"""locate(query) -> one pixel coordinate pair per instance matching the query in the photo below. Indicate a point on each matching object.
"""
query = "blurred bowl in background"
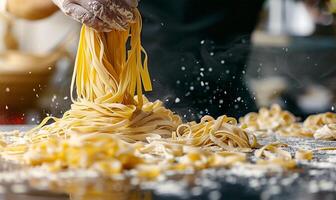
(23, 76)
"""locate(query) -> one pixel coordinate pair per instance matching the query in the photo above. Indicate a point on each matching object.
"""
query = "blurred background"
(293, 58)
(292, 62)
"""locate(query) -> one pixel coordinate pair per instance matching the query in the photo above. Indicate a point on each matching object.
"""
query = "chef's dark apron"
(197, 54)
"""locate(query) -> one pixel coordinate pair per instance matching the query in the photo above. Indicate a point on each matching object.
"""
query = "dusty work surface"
(315, 179)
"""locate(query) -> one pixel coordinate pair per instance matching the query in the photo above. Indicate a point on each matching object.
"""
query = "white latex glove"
(102, 15)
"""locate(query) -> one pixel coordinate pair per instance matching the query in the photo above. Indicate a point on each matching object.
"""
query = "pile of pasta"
(323, 125)
(282, 122)
(210, 143)
(109, 155)
(271, 119)
(112, 128)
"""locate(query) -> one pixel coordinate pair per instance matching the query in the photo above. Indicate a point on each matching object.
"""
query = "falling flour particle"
(54, 98)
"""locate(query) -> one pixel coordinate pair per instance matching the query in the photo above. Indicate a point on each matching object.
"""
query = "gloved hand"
(102, 15)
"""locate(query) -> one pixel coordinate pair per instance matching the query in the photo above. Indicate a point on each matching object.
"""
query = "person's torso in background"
(197, 53)
(214, 19)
